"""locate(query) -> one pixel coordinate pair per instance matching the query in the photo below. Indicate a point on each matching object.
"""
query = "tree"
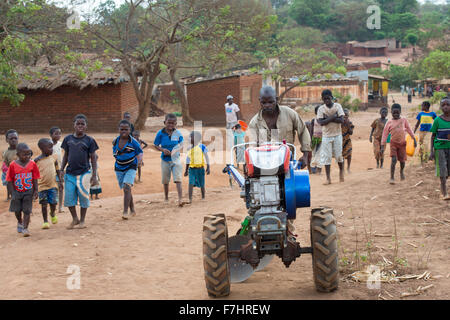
(240, 30)
(25, 28)
(313, 14)
(299, 65)
(147, 31)
(412, 38)
(436, 65)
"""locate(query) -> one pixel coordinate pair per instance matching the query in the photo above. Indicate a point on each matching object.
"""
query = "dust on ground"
(158, 254)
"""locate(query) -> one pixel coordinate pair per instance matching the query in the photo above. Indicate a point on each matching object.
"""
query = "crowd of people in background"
(72, 179)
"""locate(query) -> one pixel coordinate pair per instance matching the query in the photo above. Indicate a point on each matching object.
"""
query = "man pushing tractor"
(273, 187)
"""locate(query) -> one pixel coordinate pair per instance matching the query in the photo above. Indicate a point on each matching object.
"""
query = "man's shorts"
(331, 147)
(398, 150)
(49, 196)
(22, 201)
(169, 168)
(126, 177)
(442, 162)
(77, 187)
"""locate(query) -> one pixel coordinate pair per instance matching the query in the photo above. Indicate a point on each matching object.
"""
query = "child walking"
(440, 146)
(128, 154)
(316, 142)
(169, 140)
(239, 138)
(347, 131)
(195, 164)
(94, 191)
(330, 116)
(143, 144)
(55, 135)
(9, 155)
(397, 127)
(425, 121)
(376, 134)
(48, 166)
(79, 149)
(22, 178)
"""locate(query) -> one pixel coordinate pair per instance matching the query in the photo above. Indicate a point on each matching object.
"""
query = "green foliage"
(345, 101)
(311, 13)
(436, 65)
(437, 97)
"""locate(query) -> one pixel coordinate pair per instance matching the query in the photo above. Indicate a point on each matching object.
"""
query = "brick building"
(55, 98)
(311, 93)
(374, 48)
(207, 97)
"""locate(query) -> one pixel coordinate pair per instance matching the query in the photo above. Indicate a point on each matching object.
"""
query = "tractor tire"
(324, 249)
(215, 255)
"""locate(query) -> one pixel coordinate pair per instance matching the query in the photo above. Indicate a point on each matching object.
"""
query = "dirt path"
(158, 254)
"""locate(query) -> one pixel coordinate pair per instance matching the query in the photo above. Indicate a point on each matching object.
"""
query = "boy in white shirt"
(330, 116)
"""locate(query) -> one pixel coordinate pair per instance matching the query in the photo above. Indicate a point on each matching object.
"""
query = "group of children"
(331, 132)
(44, 178)
(434, 139)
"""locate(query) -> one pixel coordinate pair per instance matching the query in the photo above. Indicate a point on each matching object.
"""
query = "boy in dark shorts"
(397, 127)
(440, 146)
(22, 177)
(128, 154)
(143, 144)
(79, 149)
(48, 166)
(195, 163)
(9, 155)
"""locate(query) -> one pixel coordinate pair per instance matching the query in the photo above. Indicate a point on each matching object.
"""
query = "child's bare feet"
(392, 181)
(446, 197)
(73, 224)
(327, 182)
(341, 177)
(133, 213)
(402, 176)
(125, 216)
(82, 225)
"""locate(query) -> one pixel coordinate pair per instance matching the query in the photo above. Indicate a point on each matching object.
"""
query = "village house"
(207, 97)
(311, 93)
(56, 96)
(374, 48)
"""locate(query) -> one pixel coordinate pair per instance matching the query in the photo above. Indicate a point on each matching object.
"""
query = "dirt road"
(158, 254)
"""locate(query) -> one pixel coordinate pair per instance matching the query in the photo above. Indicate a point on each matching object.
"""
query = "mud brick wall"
(207, 98)
(43, 109)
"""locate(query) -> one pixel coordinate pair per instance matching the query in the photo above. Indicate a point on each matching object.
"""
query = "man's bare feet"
(73, 224)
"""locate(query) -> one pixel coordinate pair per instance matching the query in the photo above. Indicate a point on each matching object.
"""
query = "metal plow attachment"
(239, 269)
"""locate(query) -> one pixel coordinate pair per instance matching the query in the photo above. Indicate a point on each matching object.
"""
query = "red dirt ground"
(158, 254)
